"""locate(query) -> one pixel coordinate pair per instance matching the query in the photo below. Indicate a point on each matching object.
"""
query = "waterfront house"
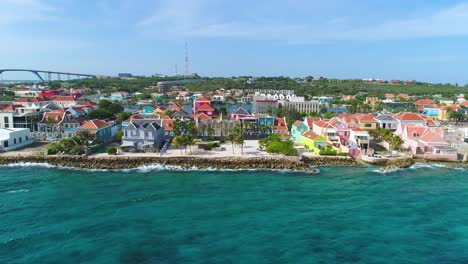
(359, 141)
(297, 129)
(70, 126)
(52, 122)
(129, 120)
(343, 132)
(313, 141)
(13, 138)
(100, 128)
(144, 134)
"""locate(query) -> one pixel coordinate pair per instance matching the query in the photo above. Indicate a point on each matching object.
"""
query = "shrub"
(285, 148)
(344, 154)
(213, 145)
(111, 150)
(327, 151)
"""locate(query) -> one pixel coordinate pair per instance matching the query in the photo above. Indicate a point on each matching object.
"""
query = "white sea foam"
(29, 164)
(144, 168)
(18, 191)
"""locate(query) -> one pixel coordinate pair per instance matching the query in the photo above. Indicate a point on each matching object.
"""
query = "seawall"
(120, 162)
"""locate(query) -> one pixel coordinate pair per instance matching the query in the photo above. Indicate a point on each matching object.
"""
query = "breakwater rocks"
(121, 162)
(401, 163)
(330, 161)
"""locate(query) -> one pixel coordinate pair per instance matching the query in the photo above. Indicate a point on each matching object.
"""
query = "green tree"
(179, 142)
(124, 116)
(99, 114)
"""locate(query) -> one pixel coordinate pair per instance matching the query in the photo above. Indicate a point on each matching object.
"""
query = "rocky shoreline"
(119, 162)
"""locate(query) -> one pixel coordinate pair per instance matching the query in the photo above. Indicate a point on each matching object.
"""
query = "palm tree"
(49, 123)
(396, 142)
(178, 141)
(32, 119)
(87, 137)
(203, 128)
(211, 131)
(239, 140)
(231, 138)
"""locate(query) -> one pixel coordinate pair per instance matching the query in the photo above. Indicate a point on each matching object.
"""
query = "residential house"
(386, 121)
(367, 121)
(13, 138)
(313, 141)
(64, 101)
(52, 122)
(348, 97)
(281, 127)
(148, 110)
(176, 107)
(297, 129)
(403, 96)
(101, 129)
(432, 112)
(359, 141)
(202, 105)
(446, 101)
(239, 113)
(372, 100)
(144, 134)
(405, 118)
(119, 96)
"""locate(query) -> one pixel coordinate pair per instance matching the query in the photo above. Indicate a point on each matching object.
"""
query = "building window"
(14, 141)
(27, 138)
(6, 121)
(368, 125)
(5, 144)
(20, 139)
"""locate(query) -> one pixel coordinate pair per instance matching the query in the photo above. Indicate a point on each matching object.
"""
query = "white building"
(13, 138)
(302, 107)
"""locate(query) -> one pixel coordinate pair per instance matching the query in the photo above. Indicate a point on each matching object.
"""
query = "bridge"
(49, 74)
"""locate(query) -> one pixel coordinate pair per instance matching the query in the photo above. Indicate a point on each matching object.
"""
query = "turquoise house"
(266, 121)
(297, 129)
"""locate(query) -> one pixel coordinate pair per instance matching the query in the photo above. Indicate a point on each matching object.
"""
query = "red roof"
(205, 107)
(203, 116)
(130, 119)
(202, 99)
(424, 102)
(297, 123)
(167, 123)
(389, 96)
(64, 98)
(366, 118)
(409, 117)
(55, 117)
(357, 129)
(310, 135)
(430, 136)
(12, 107)
(94, 124)
(323, 124)
(311, 120)
(415, 131)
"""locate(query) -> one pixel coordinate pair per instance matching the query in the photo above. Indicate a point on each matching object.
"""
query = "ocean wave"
(18, 191)
(29, 164)
(144, 168)
(417, 165)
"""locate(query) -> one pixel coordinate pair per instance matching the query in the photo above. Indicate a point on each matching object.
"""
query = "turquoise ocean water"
(343, 215)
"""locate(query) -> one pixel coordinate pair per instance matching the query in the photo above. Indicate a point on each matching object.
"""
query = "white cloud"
(200, 19)
(17, 11)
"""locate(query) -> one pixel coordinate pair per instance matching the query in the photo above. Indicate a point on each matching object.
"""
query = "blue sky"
(400, 39)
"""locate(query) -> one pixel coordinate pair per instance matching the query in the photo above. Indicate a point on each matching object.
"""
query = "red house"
(203, 106)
